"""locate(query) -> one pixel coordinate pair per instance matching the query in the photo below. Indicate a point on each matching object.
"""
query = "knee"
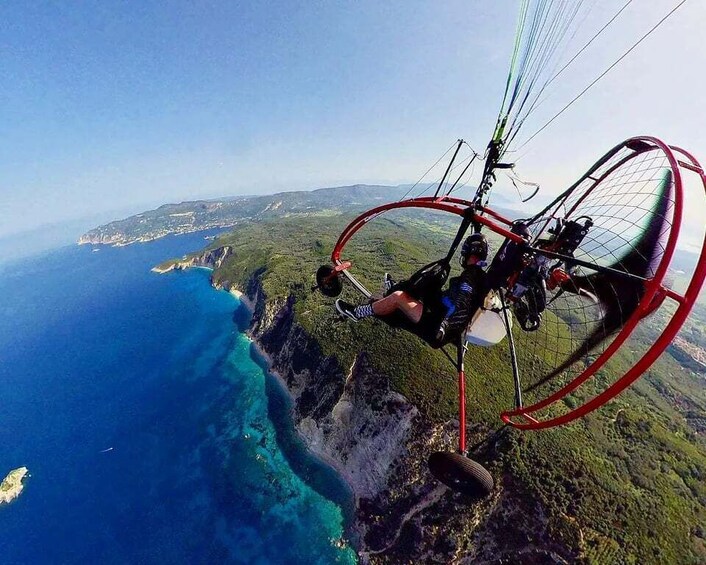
(399, 296)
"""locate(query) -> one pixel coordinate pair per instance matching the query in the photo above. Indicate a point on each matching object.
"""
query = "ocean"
(149, 424)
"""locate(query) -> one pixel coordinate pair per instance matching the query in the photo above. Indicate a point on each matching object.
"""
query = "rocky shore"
(211, 259)
(12, 485)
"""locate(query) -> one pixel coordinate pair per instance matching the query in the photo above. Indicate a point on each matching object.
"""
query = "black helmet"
(475, 244)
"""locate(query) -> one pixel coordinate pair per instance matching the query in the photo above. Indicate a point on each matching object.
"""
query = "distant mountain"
(187, 217)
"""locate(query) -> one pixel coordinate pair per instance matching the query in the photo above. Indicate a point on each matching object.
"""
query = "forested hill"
(197, 215)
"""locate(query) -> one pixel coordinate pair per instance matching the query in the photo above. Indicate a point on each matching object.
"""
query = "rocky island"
(12, 485)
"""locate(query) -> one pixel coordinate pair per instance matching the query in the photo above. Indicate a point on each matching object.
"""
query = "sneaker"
(387, 283)
(346, 310)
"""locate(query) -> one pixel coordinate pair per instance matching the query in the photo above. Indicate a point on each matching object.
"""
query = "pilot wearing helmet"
(437, 317)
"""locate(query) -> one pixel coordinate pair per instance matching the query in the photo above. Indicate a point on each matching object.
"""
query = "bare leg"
(399, 300)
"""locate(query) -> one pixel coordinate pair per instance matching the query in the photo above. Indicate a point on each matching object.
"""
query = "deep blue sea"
(149, 425)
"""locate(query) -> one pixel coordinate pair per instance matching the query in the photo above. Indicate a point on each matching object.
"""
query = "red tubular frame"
(444, 204)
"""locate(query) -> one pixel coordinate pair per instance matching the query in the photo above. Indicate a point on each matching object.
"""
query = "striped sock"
(363, 311)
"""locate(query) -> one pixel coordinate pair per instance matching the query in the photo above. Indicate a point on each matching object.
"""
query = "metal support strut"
(513, 353)
(443, 179)
(461, 352)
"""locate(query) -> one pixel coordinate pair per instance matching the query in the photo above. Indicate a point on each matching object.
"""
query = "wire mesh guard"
(594, 338)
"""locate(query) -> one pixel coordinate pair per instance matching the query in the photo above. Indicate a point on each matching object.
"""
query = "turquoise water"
(150, 428)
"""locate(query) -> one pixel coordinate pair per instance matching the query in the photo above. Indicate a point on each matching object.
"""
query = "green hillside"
(624, 485)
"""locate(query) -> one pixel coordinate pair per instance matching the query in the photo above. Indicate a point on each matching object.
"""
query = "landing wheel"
(328, 281)
(461, 474)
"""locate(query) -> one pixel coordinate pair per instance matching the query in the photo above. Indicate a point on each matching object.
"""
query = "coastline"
(121, 241)
(328, 460)
(270, 371)
(351, 531)
(242, 297)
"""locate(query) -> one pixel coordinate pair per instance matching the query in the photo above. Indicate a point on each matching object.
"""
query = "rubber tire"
(330, 286)
(461, 474)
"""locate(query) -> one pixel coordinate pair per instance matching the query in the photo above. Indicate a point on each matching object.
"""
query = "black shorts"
(432, 316)
(433, 311)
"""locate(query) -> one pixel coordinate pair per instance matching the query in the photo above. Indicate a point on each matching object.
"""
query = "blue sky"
(127, 105)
